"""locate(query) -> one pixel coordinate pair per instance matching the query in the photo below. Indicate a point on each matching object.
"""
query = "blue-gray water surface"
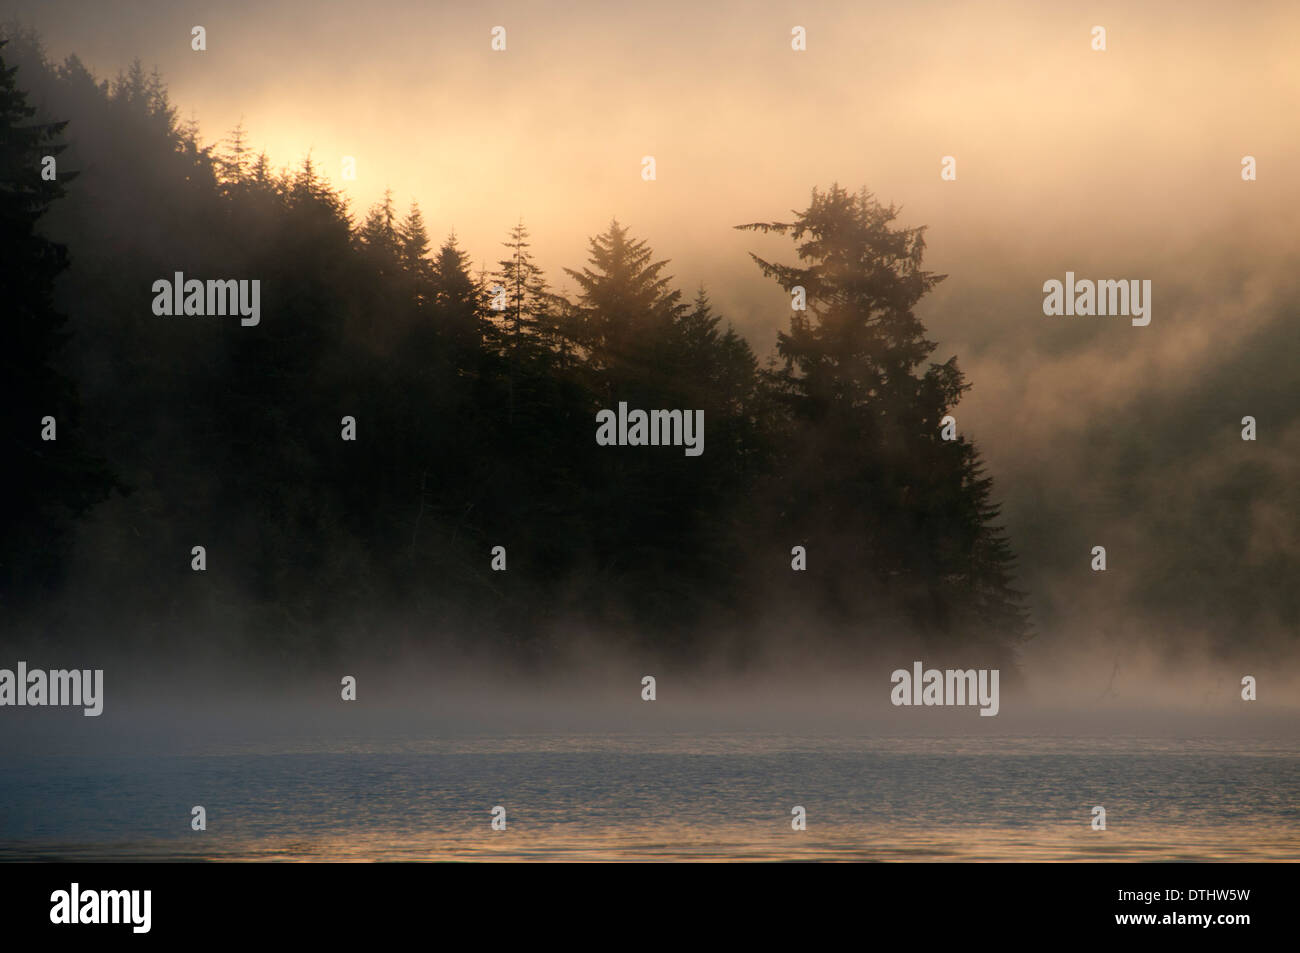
(620, 796)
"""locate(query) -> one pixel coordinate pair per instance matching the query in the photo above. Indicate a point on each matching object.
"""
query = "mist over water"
(222, 687)
(588, 771)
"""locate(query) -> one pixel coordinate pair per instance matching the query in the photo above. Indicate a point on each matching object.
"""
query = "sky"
(1122, 163)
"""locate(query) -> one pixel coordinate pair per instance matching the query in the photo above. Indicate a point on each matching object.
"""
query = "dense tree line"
(475, 397)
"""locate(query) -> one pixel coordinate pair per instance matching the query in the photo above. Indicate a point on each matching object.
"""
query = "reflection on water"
(720, 797)
(668, 842)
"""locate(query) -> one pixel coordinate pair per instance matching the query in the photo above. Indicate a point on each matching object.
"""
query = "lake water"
(621, 796)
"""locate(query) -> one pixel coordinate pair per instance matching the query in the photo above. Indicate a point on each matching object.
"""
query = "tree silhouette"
(871, 477)
(49, 482)
(475, 427)
(626, 311)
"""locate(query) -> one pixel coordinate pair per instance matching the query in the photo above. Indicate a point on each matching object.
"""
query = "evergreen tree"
(413, 249)
(527, 298)
(870, 473)
(627, 311)
(48, 482)
(413, 241)
(379, 235)
(234, 163)
(716, 370)
(458, 299)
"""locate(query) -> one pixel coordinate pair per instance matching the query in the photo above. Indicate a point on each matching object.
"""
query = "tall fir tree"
(380, 237)
(627, 310)
(50, 476)
(893, 497)
(527, 299)
(458, 299)
(413, 249)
